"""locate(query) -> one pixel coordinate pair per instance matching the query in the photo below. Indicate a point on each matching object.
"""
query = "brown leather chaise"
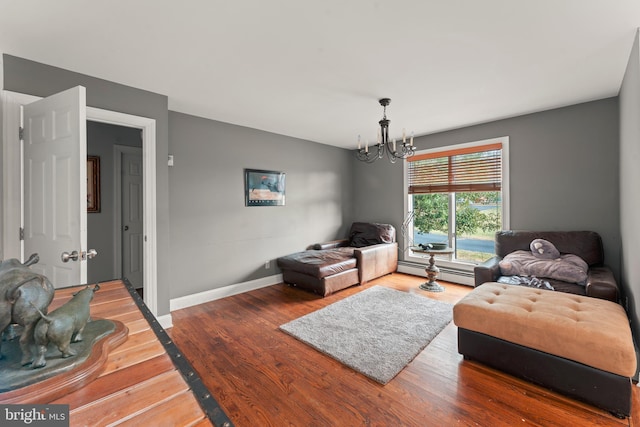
(587, 245)
(370, 251)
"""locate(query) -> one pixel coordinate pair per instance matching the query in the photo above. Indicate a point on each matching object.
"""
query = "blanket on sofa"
(530, 281)
(568, 267)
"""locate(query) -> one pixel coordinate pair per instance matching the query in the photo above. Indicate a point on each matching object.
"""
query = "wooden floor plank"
(106, 308)
(181, 410)
(262, 376)
(130, 402)
(125, 359)
(134, 340)
(115, 381)
(136, 324)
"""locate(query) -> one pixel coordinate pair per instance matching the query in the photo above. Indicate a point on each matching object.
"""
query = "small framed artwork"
(264, 188)
(93, 184)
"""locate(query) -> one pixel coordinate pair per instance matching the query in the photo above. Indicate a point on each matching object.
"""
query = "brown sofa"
(370, 251)
(587, 245)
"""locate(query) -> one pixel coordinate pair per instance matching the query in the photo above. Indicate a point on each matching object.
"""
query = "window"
(457, 196)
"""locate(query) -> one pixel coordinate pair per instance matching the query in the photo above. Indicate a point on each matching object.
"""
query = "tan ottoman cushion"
(592, 331)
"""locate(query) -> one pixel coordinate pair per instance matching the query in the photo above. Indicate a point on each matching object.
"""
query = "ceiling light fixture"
(394, 151)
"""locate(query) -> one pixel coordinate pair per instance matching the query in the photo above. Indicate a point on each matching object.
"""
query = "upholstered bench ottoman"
(573, 344)
(320, 271)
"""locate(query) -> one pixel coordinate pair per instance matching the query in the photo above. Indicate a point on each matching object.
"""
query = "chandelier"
(394, 151)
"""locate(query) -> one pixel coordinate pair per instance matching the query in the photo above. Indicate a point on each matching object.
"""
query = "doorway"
(12, 185)
(115, 230)
(150, 258)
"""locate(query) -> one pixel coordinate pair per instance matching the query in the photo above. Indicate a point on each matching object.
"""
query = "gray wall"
(101, 139)
(215, 239)
(563, 172)
(24, 76)
(629, 179)
(378, 192)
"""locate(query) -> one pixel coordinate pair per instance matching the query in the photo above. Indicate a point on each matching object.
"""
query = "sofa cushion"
(320, 263)
(557, 285)
(368, 233)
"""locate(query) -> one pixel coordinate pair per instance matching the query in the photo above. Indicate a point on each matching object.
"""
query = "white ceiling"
(315, 70)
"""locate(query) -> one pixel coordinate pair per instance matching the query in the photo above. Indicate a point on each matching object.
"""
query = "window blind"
(468, 169)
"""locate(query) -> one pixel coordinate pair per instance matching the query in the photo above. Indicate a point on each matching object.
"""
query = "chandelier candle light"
(406, 149)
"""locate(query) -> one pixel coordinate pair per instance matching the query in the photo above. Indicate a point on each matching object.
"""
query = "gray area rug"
(377, 332)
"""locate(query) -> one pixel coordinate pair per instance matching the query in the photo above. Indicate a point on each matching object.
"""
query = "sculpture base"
(23, 384)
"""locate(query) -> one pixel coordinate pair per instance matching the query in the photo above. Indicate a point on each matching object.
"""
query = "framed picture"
(263, 188)
(93, 184)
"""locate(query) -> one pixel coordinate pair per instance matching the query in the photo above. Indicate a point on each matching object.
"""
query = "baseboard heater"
(447, 274)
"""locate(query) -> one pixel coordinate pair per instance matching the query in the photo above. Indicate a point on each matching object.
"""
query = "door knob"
(126, 227)
(88, 254)
(66, 256)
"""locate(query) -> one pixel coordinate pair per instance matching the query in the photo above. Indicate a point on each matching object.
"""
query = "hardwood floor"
(264, 377)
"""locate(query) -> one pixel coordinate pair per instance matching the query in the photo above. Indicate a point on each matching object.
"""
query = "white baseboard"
(226, 291)
(166, 321)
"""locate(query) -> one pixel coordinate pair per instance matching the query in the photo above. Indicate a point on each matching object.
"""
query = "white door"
(55, 186)
(132, 218)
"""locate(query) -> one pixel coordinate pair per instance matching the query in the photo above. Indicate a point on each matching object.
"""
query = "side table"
(432, 271)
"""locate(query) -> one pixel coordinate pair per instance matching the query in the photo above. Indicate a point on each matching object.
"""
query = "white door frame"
(12, 206)
(150, 253)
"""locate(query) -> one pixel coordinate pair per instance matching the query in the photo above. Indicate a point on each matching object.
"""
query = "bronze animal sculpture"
(63, 326)
(22, 293)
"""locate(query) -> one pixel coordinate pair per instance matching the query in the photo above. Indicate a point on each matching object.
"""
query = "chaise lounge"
(576, 341)
(370, 251)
